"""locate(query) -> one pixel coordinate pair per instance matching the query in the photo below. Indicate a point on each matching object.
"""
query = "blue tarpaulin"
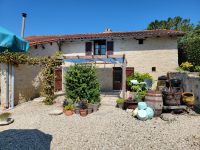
(9, 41)
(95, 60)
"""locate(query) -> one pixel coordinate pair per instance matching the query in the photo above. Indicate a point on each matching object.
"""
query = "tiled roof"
(36, 40)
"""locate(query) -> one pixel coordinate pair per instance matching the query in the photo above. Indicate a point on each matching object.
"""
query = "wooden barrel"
(155, 100)
(171, 99)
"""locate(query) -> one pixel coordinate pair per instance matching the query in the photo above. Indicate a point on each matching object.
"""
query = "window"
(140, 41)
(100, 47)
(153, 69)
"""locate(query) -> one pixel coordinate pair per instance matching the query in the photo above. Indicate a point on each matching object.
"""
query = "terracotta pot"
(83, 112)
(68, 112)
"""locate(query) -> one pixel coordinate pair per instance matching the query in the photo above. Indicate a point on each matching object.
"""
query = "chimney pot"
(24, 14)
(108, 30)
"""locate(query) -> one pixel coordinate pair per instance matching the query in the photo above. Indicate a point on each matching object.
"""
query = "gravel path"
(109, 128)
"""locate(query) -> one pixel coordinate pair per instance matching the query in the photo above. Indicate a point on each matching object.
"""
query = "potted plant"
(130, 103)
(69, 109)
(120, 102)
(90, 108)
(83, 108)
(76, 106)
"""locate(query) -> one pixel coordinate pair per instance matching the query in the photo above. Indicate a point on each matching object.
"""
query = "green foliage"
(120, 101)
(140, 95)
(139, 77)
(176, 23)
(81, 83)
(186, 66)
(48, 64)
(69, 107)
(190, 45)
(140, 91)
(48, 77)
(197, 68)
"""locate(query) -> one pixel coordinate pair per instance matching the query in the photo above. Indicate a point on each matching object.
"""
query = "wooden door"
(117, 78)
(58, 79)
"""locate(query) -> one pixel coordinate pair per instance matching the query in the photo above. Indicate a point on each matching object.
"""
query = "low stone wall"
(191, 83)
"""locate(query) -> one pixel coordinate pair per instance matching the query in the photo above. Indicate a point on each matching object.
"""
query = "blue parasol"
(9, 41)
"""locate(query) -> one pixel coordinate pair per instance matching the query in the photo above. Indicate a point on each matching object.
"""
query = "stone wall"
(191, 83)
(27, 83)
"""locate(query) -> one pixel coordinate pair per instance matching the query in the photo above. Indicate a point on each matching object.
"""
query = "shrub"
(197, 68)
(81, 83)
(190, 45)
(69, 107)
(139, 77)
(187, 66)
(120, 101)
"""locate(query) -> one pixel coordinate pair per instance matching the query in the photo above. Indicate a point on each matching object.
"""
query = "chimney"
(108, 30)
(23, 24)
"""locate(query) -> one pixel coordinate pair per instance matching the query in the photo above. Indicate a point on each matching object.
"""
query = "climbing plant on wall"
(48, 65)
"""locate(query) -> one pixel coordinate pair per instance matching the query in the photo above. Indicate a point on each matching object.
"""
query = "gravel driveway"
(109, 128)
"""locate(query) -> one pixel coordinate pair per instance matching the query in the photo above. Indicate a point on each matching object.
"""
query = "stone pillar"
(4, 96)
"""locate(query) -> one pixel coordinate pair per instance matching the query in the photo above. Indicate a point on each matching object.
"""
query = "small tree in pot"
(81, 81)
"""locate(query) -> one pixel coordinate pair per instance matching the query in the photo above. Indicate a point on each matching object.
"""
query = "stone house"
(147, 51)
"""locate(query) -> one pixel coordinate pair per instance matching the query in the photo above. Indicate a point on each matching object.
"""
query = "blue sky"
(86, 16)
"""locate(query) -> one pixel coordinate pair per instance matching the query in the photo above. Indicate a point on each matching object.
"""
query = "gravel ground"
(109, 128)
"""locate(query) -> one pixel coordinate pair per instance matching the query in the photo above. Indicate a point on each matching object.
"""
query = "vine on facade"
(48, 65)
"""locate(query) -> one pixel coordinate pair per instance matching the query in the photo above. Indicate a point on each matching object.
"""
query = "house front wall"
(154, 52)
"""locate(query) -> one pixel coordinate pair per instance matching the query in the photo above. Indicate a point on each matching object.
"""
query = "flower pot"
(130, 104)
(83, 112)
(188, 98)
(77, 110)
(68, 112)
(95, 107)
(121, 105)
(90, 110)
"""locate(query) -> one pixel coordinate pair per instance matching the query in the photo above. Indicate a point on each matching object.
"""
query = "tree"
(190, 45)
(176, 23)
(81, 83)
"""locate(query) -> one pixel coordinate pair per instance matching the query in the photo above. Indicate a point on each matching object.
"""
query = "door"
(58, 79)
(117, 78)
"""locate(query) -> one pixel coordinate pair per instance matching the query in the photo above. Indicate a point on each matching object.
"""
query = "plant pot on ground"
(120, 103)
(69, 110)
(95, 106)
(83, 108)
(90, 108)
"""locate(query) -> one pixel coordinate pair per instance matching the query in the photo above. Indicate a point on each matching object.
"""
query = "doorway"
(58, 79)
(117, 78)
